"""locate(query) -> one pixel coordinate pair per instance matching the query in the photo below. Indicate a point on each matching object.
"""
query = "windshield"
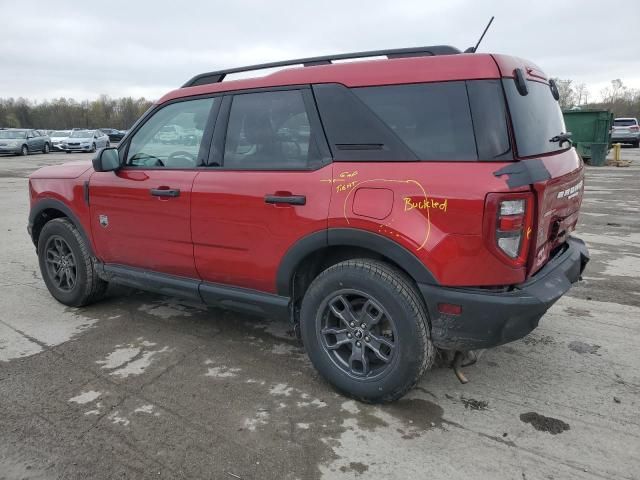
(536, 118)
(81, 134)
(60, 133)
(624, 122)
(13, 134)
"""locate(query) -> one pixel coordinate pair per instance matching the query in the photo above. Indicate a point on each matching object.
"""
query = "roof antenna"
(474, 49)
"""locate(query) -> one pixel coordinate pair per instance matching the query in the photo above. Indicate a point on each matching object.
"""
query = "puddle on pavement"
(544, 424)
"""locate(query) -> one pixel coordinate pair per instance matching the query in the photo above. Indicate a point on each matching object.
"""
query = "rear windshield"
(536, 118)
(440, 121)
(625, 122)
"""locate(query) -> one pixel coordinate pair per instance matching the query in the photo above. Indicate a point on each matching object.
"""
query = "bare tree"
(567, 94)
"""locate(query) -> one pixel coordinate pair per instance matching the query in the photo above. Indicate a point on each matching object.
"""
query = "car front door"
(33, 141)
(267, 186)
(140, 215)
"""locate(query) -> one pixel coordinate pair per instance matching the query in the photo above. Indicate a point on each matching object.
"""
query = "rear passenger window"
(433, 120)
(486, 98)
(269, 131)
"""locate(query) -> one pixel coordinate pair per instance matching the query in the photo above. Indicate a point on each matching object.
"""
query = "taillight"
(634, 128)
(507, 226)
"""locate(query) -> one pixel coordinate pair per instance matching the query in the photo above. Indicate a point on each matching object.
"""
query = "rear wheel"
(636, 144)
(66, 265)
(365, 329)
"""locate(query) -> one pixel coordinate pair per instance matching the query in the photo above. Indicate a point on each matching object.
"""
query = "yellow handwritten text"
(410, 204)
(345, 187)
(348, 174)
(332, 180)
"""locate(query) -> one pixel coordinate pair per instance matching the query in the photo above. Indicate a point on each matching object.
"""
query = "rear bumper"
(625, 137)
(489, 319)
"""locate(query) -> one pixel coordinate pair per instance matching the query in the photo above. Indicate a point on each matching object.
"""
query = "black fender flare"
(349, 237)
(53, 204)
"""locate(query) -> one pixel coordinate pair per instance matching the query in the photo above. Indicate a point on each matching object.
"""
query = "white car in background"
(57, 137)
(626, 130)
(85, 141)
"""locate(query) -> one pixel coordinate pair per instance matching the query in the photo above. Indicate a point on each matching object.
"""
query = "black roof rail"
(218, 76)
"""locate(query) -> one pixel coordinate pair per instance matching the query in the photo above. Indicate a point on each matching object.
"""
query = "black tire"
(107, 145)
(46, 149)
(24, 151)
(93, 148)
(636, 144)
(394, 299)
(87, 286)
(67, 151)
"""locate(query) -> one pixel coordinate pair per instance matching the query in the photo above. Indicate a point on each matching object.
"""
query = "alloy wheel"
(357, 333)
(61, 263)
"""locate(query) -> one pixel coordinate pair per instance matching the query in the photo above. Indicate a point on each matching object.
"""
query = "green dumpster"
(590, 133)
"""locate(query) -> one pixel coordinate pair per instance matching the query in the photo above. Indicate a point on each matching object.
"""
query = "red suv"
(387, 207)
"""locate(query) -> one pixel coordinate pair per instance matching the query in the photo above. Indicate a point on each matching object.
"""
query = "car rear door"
(140, 215)
(267, 187)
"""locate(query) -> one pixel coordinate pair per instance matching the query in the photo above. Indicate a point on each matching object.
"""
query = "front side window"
(171, 138)
(269, 131)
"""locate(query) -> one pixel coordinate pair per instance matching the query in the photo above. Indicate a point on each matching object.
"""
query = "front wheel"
(46, 148)
(66, 264)
(365, 329)
(24, 151)
(93, 148)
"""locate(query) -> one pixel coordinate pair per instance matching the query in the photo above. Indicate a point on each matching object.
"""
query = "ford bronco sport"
(387, 207)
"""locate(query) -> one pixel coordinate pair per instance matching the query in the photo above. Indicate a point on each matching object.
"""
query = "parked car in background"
(626, 130)
(169, 134)
(57, 138)
(24, 141)
(114, 135)
(85, 141)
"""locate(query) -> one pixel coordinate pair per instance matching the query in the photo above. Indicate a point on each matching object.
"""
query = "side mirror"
(106, 160)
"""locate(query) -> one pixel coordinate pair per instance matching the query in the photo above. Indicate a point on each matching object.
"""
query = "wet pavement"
(144, 386)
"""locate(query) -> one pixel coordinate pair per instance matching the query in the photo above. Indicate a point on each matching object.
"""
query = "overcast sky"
(83, 49)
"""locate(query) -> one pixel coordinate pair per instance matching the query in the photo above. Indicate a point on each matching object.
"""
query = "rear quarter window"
(433, 120)
(440, 121)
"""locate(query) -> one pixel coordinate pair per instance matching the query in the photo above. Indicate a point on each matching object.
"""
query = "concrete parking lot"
(143, 386)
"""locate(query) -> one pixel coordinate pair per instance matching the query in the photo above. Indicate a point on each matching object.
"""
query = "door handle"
(286, 199)
(165, 192)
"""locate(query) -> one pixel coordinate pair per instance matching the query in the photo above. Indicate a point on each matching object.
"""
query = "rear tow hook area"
(464, 359)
